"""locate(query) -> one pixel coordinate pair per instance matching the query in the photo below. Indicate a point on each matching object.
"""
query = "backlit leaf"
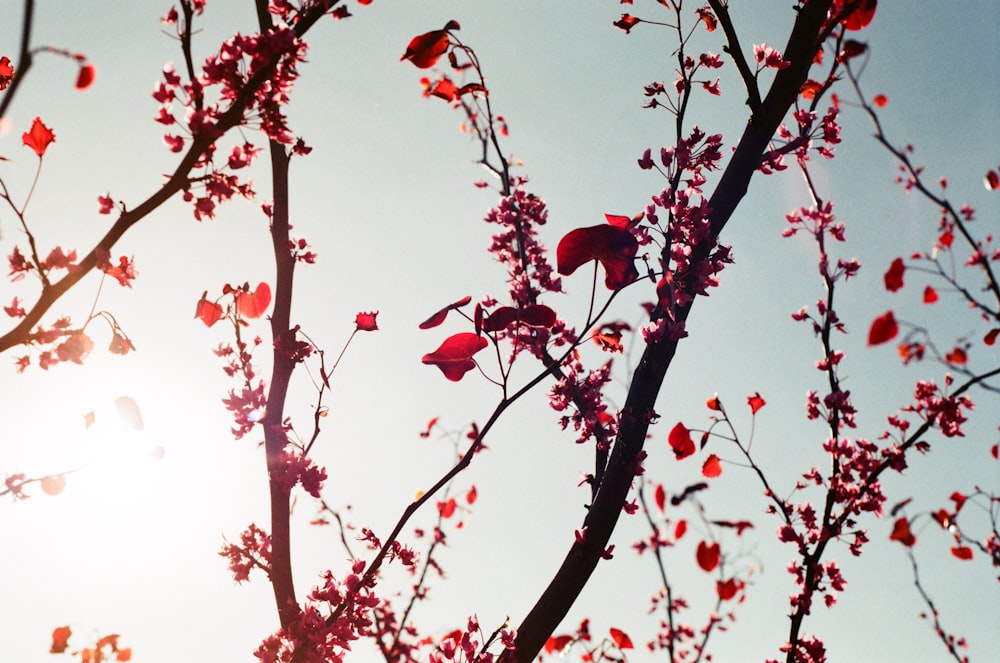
(894, 275)
(613, 247)
(253, 304)
(708, 556)
(425, 50)
(438, 317)
(712, 467)
(680, 441)
(621, 639)
(39, 138)
(454, 357)
(884, 328)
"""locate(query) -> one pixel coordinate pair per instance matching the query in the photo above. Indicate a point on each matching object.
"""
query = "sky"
(387, 201)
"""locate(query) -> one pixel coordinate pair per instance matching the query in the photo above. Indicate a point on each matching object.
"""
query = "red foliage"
(39, 138)
(884, 328)
(613, 247)
(454, 357)
(901, 532)
(621, 639)
(86, 76)
(252, 304)
(680, 441)
(425, 50)
(894, 275)
(438, 317)
(708, 556)
(712, 467)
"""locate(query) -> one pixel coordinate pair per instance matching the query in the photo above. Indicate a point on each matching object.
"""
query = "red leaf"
(208, 312)
(880, 100)
(810, 88)
(425, 50)
(727, 590)
(991, 336)
(60, 639)
(860, 17)
(618, 221)
(613, 247)
(714, 403)
(708, 556)
(447, 509)
(621, 639)
(962, 552)
(712, 467)
(39, 138)
(253, 304)
(930, 295)
(884, 328)
(992, 181)
(680, 441)
(532, 315)
(957, 356)
(557, 643)
(660, 497)
(894, 276)
(755, 402)
(86, 76)
(680, 529)
(366, 321)
(627, 22)
(454, 357)
(444, 89)
(901, 532)
(471, 495)
(995, 451)
(440, 315)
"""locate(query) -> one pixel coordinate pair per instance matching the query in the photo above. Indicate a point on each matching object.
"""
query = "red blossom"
(756, 402)
(39, 138)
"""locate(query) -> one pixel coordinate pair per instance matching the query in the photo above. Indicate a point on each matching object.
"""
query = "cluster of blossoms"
(254, 551)
(467, 645)
(584, 391)
(335, 614)
(827, 130)
(695, 257)
(252, 77)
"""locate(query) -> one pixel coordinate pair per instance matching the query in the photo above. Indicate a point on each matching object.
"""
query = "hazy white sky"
(386, 199)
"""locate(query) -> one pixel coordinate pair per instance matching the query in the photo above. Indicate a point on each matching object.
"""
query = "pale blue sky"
(387, 201)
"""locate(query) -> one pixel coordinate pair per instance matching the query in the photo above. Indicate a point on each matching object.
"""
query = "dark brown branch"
(580, 562)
